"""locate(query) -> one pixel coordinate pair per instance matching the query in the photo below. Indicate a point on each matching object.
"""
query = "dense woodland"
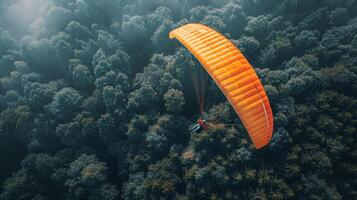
(95, 101)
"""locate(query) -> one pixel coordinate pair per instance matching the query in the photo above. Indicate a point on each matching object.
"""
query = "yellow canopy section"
(234, 75)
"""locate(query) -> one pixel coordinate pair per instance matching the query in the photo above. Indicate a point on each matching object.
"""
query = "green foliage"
(174, 100)
(21, 186)
(65, 104)
(95, 101)
(85, 174)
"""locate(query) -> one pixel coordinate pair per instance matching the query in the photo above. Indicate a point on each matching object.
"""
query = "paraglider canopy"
(234, 75)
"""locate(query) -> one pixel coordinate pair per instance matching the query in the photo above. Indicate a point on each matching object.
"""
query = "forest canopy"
(95, 101)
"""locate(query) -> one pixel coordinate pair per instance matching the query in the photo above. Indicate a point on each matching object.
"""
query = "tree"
(109, 130)
(234, 18)
(141, 98)
(81, 76)
(66, 103)
(39, 54)
(13, 82)
(134, 29)
(69, 133)
(134, 188)
(17, 122)
(57, 18)
(78, 31)
(338, 16)
(85, 175)
(339, 77)
(174, 100)
(114, 100)
(306, 40)
(7, 42)
(214, 22)
(249, 47)
(38, 95)
(257, 26)
(40, 166)
(160, 39)
(276, 52)
(161, 180)
(314, 189)
(157, 18)
(21, 186)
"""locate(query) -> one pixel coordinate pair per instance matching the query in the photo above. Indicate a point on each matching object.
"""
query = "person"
(199, 126)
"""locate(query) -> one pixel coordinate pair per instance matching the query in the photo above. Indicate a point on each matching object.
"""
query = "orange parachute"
(234, 75)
